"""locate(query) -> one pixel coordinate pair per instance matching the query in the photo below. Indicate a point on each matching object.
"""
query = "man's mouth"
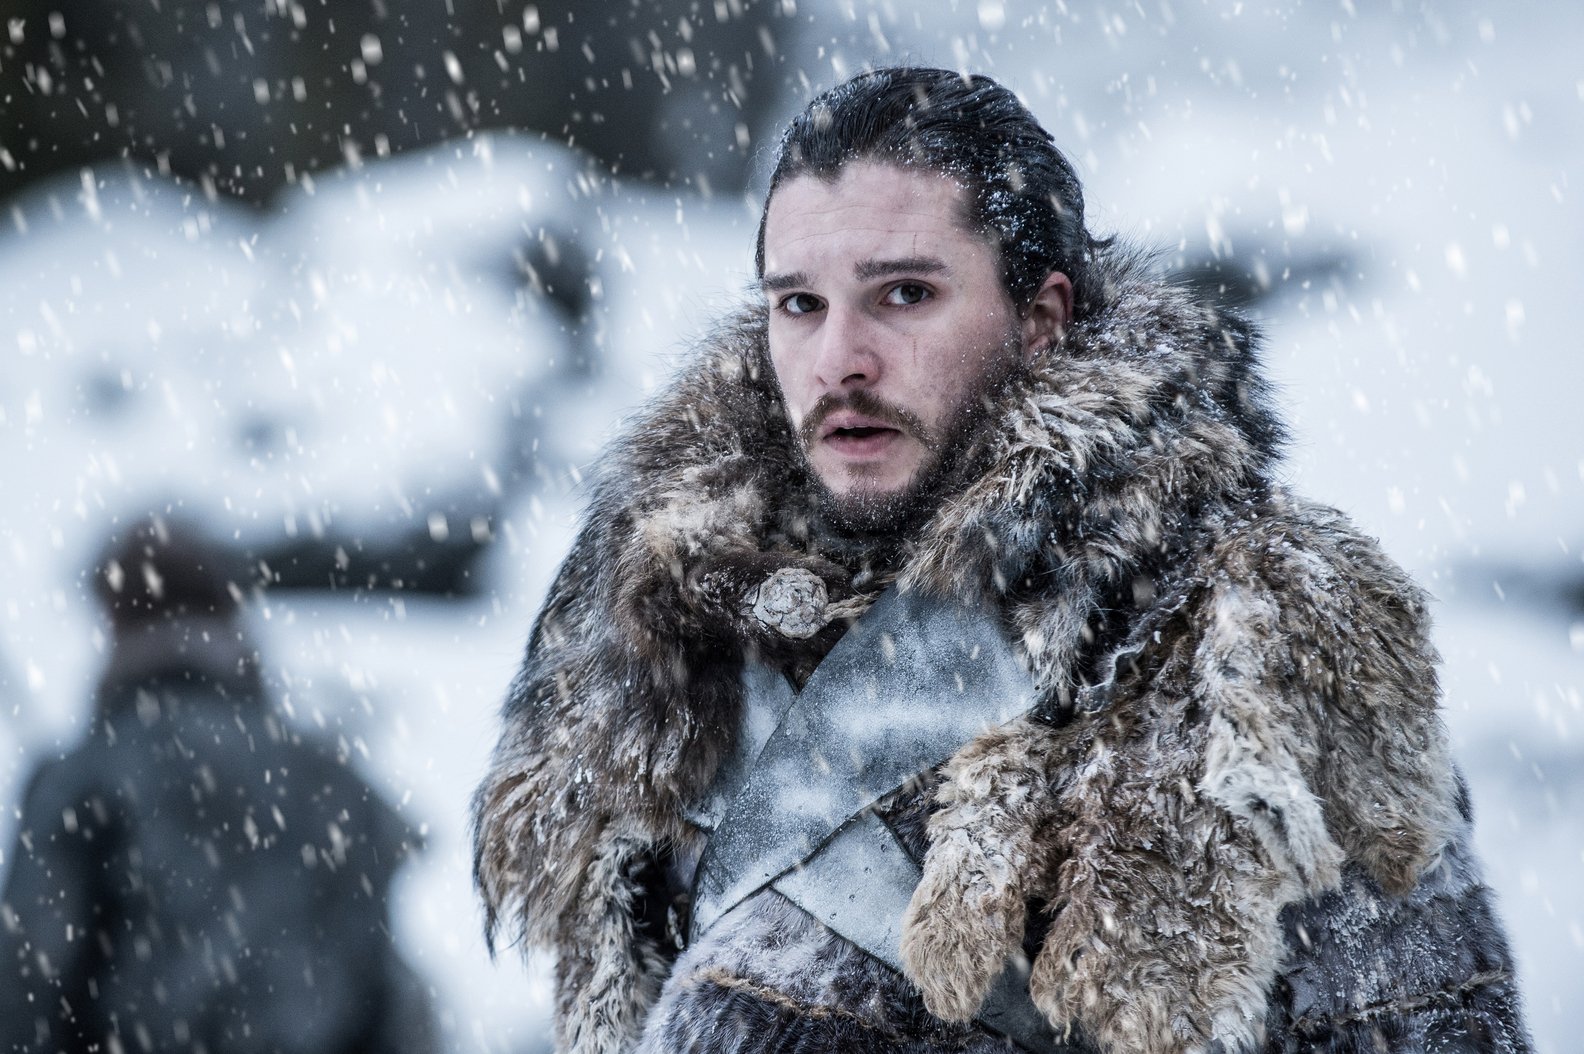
(859, 432)
(861, 444)
(859, 426)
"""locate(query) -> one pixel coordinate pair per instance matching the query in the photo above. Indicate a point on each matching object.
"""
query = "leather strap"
(859, 886)
(908, 685)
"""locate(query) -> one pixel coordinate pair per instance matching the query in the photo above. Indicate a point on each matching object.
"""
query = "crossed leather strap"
(792, 809)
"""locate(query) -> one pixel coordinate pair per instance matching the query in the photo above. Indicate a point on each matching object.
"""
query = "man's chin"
(870, 509)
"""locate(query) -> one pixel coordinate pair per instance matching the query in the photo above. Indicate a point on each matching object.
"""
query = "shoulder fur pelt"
(1240, 693)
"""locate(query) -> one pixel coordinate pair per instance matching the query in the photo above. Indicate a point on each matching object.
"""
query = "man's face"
(888, 321)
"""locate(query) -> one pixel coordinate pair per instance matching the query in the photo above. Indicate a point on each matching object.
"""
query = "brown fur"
(988, 853)
(1273, 718)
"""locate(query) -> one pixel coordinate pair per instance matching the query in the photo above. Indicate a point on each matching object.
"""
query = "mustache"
(870, 405)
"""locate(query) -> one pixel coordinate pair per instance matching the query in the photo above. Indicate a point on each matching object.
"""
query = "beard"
(955, 450)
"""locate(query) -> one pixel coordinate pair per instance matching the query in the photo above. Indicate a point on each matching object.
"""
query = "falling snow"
(383, 369)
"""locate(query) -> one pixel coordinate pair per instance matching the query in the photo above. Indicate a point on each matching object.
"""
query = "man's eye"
(907, 293)
(801, 304)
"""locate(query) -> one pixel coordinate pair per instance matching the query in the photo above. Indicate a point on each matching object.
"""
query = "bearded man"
(941, 667)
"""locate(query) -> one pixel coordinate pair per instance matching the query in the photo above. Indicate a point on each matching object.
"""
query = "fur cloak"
(1234, 814)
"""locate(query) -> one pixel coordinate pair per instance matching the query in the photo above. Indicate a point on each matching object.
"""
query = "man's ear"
(1047, 316)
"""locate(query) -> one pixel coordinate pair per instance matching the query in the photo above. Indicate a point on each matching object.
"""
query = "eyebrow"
(867, 269)
(775, 283)
(864, 270)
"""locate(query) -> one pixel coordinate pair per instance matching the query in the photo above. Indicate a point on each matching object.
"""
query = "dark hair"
(1021, 191)
(155, 568)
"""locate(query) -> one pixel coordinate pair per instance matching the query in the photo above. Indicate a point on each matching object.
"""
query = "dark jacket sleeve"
(1425, 973)
(47, 937)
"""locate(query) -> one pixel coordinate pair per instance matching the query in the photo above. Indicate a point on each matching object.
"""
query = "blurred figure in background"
(196, 874)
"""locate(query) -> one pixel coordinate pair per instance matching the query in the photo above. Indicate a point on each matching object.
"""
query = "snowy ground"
(373, 354)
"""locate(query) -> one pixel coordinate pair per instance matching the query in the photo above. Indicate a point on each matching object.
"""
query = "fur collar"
(1169, 806)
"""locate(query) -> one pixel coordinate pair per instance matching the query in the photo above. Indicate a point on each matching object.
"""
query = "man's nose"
(848, 356)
